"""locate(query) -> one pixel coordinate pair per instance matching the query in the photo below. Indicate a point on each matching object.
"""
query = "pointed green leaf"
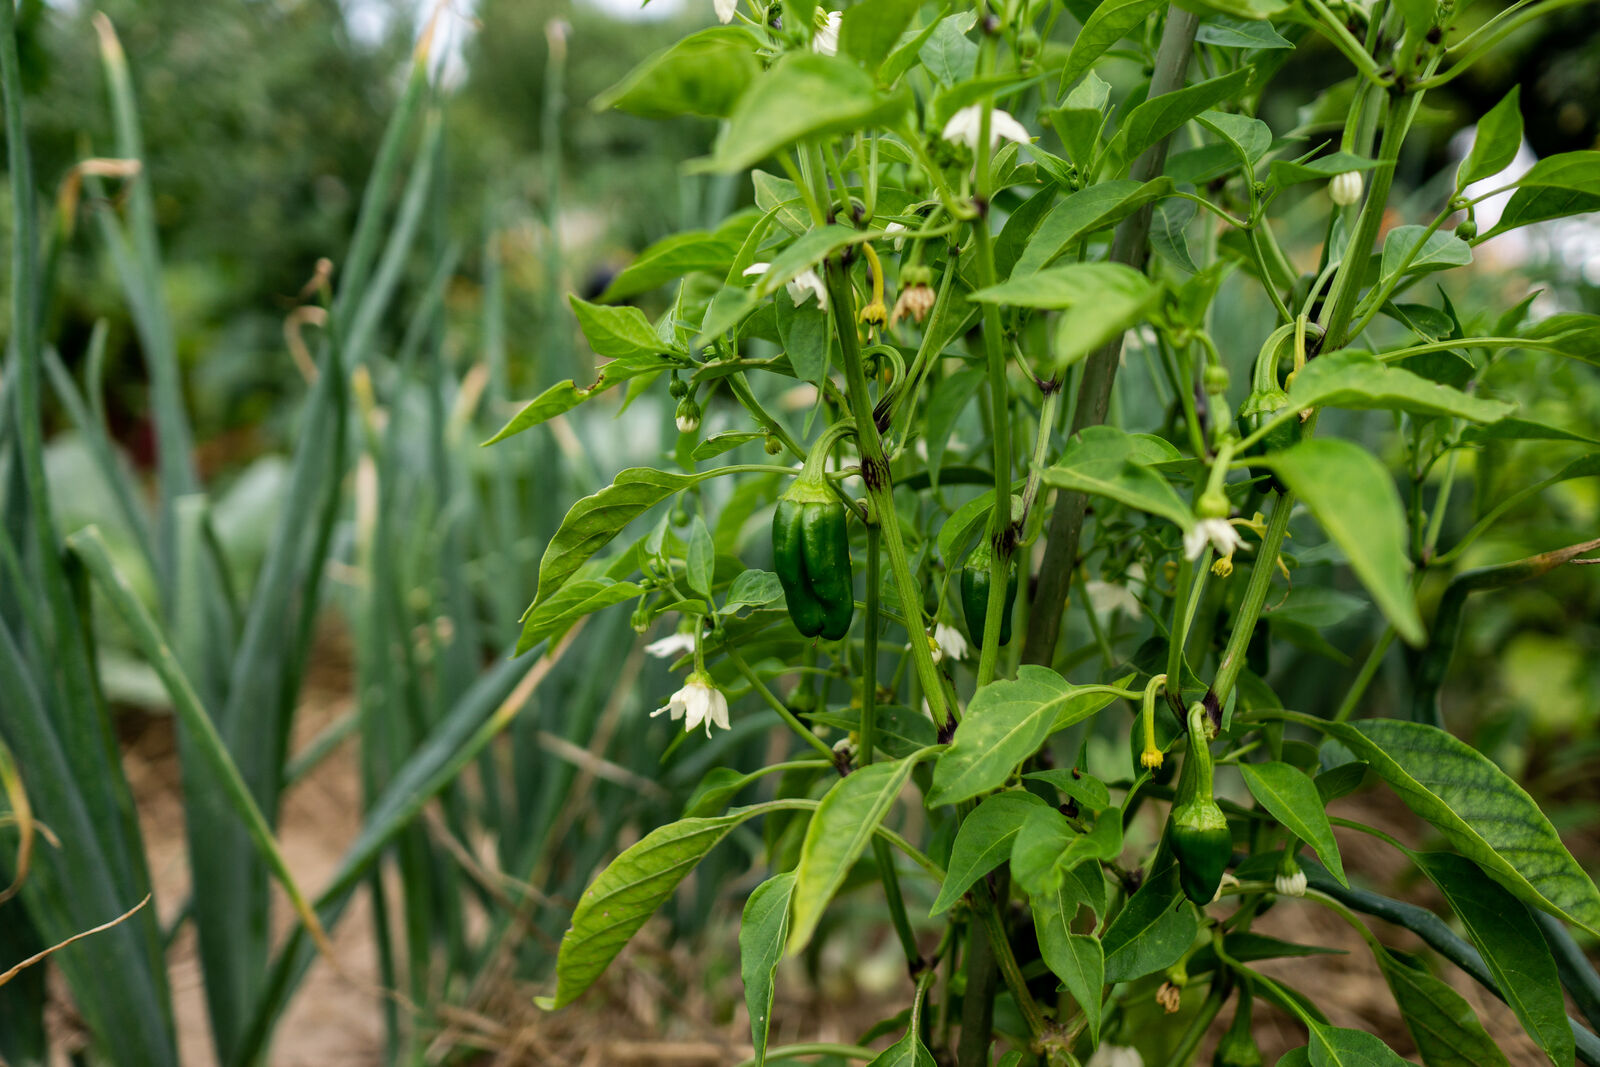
(803, 95)
(1335, 1046)
(1152, 931)
(1076, 959)
(983, 842)
(1103, 461)
(1512, 946)
(1442, 1024)
(570, 604)
(1005, 723)
(1291, 797)
(618, 332)
(628, 892)
(871, 28)
(596, 519)
(762, 932)
(1082, 213)
(839, 832)
(1157, 117)
(1495, 143)
(1353, 497)
(1110, 23)
(1486, 815)
(1354, 379)
(704, 74)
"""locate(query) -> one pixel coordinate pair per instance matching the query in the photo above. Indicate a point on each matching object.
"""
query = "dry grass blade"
(37, 956)
(22, 816)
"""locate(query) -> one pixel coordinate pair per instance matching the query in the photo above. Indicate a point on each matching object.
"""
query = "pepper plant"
(971, 382)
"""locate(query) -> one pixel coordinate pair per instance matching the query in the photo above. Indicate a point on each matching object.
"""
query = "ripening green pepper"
(975, 594)
(1196, 827)
(811, 551)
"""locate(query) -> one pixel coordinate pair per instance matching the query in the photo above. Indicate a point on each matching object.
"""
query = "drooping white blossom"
(1219, 532)
(826, 40)
(951, 644)
(802, 286)
(963, 128)
(699, 701)
(1345, 189)
(725, 9)
(671, 647)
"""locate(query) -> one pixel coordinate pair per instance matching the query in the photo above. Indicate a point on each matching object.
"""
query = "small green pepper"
(811, 551)
(1196, 827)
(975, 594)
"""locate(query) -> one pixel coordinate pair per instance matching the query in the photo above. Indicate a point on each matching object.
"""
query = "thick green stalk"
(880, 492)
(1131, 246)
(1255, 598)
(1000, 420)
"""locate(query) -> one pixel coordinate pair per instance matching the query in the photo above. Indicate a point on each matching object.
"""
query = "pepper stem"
(1151, 758)
(1200, 750)
(815, 469)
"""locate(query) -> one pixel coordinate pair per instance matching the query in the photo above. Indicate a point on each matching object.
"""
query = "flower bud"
(678, 389)
(1216, 379)
(1345, 189)
(772, 444)
(688, 415)
(1467, 230)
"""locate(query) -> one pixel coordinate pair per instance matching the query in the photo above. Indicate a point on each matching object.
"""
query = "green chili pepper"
(1196, 827)
(811, 551)
(975, 594)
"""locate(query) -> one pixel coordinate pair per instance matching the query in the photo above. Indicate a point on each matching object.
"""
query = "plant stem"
(777, 705)
(1131, 246)
(879, 481)
(1255, 597)
(1000, 418)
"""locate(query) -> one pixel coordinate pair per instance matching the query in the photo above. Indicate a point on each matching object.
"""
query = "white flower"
(1107, 597)
(826, 40)
(697, 702)
(1220, 532)
(805, 285)
(671, 647)
(1290, 885)
(892, 230)
(1345, 189)
(802, 286)
(725, 9)
(949, 641)
(963, 128)
(1115, 1056)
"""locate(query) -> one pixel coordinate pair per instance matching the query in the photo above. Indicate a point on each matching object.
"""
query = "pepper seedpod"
(1238, 1046)
(1196, 827)
(975, 594)
(811, 551)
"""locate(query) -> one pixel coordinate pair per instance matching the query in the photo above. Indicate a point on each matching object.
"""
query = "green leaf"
(704, 251)
(596, 519)
(1081, 118)
(983, 842)
(1576, 171)
(1155, 118)
(727, 441)
(839, 832)
(871, 28)
(1089, 791)
(618, 332)
(1511, 429)
(1512, 946)
(1047, 847)
(1291, 797)
(1354, 499)
(1153, 931)
(564, 396)
(1111, 22)
(905, 52)
(1101, 461)
(1354, 379)
(838, 97)
(751, 589)
(1283, 173)
(1226, 32)
(1099, 301)
(1081, 214)
(907, 1052)
(1076, 959)
(1442, 1024)
(806, 252)
(628, 892)
(950, 397)
(948, 54)
(1574, 334)
(1249, 137)
(701, 561)
(1334, 1046)
(1480, 810)
(1439, 251)
(762, 932)
(805, 335)
(1006, 722)
(1495, 143)
(570, 604)
(1553, 188)
(1244, 9)
(703, 74)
